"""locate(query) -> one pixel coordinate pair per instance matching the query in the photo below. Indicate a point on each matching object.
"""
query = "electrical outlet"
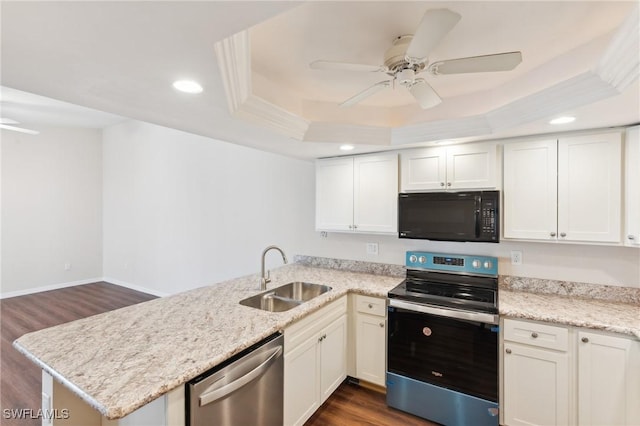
(516, 257)
(372, 248)
(67, 266)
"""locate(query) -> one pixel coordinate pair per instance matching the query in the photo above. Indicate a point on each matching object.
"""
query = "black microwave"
(450, 216)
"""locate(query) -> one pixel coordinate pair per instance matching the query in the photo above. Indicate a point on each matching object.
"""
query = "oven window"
(456, 354)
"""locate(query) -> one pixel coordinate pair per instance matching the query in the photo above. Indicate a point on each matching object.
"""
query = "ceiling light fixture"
(346, 147)
(563, 120)
(187, 86)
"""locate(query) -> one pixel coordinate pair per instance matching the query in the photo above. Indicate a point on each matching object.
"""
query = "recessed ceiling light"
(563, 120)
(346, 147)
(187, 86)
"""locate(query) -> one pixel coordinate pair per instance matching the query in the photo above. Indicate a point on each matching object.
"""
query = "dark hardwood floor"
(20, 379)
(353, 405)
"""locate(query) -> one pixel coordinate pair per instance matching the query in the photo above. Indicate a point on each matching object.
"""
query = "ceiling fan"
(409, 56)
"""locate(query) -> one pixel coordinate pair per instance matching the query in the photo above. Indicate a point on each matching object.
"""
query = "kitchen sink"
(285, 297)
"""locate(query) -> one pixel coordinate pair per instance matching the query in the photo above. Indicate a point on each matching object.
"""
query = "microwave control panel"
(489, 217)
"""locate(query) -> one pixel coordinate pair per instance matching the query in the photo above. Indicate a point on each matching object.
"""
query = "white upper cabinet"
(589, 187)
(565, 190)
(632, 187)
(468, 166)
(357, 194)
(530, 189)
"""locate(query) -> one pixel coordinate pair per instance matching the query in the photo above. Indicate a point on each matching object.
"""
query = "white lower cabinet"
(608, 380)
(315, 361)
(371, 337)
(555, 375)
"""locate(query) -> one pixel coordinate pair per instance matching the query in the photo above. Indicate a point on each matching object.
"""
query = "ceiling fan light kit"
(409, 55)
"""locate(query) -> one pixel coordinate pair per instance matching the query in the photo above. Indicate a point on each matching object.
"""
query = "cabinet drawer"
(371, 305)
(536, 334)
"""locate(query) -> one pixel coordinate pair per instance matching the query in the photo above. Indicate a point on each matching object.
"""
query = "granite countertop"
(121, 360)
(605, 315)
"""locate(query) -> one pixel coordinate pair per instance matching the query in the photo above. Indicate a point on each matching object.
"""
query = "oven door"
(460, 354)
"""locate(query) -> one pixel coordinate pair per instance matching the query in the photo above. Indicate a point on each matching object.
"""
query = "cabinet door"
(530, 190)
(536, 386)
(423, 169)
(334, 194)
(371, 350)
(632, 185)
(301, 382)
(333, 357)
(375, 203)
(589, 188)
(472, 166)
(608, 380)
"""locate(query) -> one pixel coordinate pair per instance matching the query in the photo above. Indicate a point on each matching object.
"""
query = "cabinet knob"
(355, 226)
(631, 237)
(553, 234)
(508, 350)
(381, 325)
(585, 340)
(534, 335)
(370, 306)
(448, 183)
(441, 183)
(563, 234)
(350, 226)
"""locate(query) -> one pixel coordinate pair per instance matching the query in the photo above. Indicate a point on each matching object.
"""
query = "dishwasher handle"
(214, 395)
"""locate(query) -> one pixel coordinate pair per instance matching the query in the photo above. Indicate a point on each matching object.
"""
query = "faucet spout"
(265, 278)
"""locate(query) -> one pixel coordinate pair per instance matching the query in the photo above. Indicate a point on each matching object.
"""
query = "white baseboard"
(135, 287)
(6, 295)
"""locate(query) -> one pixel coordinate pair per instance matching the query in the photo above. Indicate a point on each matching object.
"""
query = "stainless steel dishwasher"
(245, 390)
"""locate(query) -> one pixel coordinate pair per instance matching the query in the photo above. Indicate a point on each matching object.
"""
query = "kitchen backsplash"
(507, 282)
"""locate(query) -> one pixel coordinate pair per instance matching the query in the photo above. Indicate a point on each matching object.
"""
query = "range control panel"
(482, 265)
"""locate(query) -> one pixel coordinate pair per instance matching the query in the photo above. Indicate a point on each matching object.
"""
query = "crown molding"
(620, 64)
(618, 68)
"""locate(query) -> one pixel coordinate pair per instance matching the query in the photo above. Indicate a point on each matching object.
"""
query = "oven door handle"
(449, 313)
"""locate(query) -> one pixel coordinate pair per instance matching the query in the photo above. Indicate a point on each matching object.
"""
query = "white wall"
(618, 266)
(51, 209)
(182, 211)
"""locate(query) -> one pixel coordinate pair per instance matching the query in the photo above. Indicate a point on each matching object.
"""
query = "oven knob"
(475, 263)
(422, 259)
(413, 258)
(488, 264)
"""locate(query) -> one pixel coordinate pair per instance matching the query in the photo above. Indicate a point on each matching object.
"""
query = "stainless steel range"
(442, 341)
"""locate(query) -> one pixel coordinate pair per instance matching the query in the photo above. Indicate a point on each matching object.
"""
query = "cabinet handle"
(441, 183)
(381, 325)
(534, 335)
(355, 226)
(448, 183)
(370, 306)
(508, 350)
(563, 234)
(553, 234)
(585, 340)
(350, 226)
(631, 237)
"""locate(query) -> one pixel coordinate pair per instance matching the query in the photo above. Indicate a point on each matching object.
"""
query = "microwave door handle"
(477, 214)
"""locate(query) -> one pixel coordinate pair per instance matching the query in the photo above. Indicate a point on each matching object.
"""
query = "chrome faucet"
(265, 278)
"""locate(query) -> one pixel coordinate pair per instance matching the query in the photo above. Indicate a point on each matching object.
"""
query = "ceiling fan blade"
(424, 94)
(365, 94)
(435, 24)
(19, 129)
(486, 63)
(344, 66)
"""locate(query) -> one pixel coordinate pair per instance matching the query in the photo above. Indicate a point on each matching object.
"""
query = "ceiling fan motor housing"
(394, 57)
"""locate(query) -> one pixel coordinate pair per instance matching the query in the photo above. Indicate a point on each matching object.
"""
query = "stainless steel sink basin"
(285, 297)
